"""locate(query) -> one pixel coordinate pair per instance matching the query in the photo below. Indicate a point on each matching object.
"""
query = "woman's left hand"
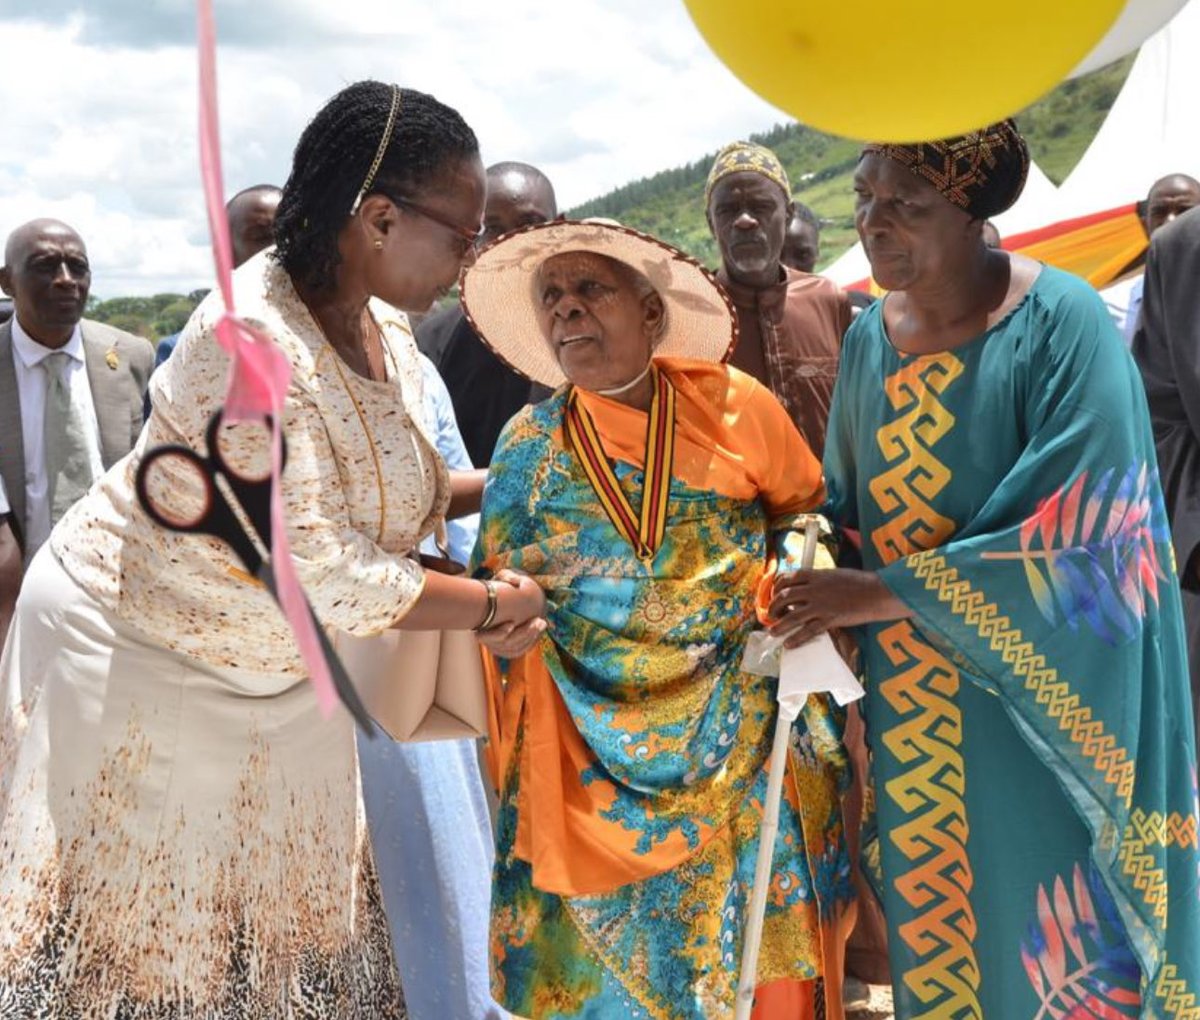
(808, 603)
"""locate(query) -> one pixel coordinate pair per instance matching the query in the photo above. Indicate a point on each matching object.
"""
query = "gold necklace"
(362, 420)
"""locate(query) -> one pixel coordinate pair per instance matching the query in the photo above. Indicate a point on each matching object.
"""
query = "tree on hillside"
(131, 323)
(174, 317)
(670, 204)
(152, 317)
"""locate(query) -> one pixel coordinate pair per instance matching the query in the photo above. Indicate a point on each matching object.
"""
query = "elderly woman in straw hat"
(629, 746)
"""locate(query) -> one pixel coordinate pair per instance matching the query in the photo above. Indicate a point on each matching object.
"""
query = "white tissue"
(813, 668)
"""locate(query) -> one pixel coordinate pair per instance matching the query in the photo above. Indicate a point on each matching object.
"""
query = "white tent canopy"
(1151, 129)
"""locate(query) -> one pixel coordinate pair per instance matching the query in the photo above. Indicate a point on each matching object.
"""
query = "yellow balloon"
(902, 70)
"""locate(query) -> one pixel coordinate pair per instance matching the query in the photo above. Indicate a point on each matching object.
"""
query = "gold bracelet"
(492, 605)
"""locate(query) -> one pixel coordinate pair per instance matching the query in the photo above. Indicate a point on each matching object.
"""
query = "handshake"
(516, 614)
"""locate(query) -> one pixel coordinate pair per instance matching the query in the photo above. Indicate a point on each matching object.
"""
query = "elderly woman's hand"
(810, 602)
(519, 597)
(512, 640)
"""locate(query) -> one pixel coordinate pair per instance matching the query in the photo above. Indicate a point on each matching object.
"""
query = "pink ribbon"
(259, 371)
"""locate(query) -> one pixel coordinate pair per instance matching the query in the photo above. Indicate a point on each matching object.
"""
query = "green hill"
(670, 204)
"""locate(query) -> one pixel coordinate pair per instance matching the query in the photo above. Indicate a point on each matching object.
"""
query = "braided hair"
(331, 162)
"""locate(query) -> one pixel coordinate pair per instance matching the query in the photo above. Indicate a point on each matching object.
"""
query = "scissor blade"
(346, 691)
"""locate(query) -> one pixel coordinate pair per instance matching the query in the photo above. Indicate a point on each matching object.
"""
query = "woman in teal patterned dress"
(1028, 709)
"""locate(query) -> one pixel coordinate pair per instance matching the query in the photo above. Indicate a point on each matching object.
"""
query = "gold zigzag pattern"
(1053, 694)
(921, 689)
(1139, 863)
(1143, 870)
(914, 476)
(1173, 990)
(934, 833)
(1145, 833)
(1156, 829)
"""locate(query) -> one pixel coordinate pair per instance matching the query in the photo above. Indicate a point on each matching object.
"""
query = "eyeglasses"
(469, 237)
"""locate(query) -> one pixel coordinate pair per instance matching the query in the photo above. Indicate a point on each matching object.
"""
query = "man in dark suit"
(1166, 347)
(71, 391)
(484, 390)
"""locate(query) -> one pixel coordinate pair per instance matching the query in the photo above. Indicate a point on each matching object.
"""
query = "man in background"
(486, 393)
(1166, 347)
(251, 214)
(802, 241)
(790, 323)
(71, 392)
(1168, 198)
(11, 569)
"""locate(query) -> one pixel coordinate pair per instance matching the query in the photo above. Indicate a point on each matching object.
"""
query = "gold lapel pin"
(111, 359)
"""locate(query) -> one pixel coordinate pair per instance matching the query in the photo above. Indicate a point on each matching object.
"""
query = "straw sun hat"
(498, 293)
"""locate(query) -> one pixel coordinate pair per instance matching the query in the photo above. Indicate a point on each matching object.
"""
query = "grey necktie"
(68, 466)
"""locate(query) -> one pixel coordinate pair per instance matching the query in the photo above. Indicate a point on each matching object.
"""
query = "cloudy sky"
(99, 100)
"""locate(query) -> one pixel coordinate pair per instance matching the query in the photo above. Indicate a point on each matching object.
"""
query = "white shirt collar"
(32, 353)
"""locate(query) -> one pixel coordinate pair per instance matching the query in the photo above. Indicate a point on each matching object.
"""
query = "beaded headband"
(383, 144)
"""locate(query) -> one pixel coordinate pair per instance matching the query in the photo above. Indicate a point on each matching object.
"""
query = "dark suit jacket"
(1166, 347)
(117, 393)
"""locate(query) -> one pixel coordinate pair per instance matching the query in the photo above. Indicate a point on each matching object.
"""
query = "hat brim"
(498, 294)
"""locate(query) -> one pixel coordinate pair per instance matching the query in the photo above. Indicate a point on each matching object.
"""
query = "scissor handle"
(212, 436)
(203, 471)
(215, 518)
(253, 493)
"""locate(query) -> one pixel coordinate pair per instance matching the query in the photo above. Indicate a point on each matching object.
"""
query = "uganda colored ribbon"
(643, 531)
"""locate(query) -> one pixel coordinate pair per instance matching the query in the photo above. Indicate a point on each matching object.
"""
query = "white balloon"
(1139, 20)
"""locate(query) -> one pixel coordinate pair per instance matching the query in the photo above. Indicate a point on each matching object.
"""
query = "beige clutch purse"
(419, 684)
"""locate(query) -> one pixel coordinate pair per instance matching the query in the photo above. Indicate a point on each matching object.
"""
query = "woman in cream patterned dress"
(181, 831)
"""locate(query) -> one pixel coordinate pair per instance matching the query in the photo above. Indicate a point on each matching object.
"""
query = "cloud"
(563, 145)
(137, 24)
(100, 105)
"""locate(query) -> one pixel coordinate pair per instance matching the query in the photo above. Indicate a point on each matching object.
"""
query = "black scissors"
(216, 517)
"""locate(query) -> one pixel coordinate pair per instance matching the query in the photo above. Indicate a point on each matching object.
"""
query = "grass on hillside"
(670, 204)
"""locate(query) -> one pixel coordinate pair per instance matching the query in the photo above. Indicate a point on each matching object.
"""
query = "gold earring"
(378, 244)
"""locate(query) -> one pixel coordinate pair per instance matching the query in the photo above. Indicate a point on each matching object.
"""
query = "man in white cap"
(790, 323)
